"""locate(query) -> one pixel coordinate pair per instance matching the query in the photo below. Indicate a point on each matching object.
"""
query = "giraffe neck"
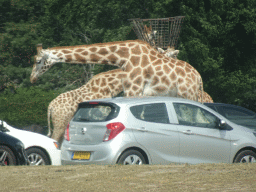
(112, 53)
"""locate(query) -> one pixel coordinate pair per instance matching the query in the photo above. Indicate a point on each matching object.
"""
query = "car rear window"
(95, 112)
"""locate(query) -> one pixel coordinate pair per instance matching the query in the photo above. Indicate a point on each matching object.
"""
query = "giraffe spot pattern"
(79, 50)
(144, 49)
(103, 51)
(152, 52)
(159, 73)
(68, 58)
(135, 60)
(155, 81)
(145, 61)
(80, 58)
(59, 55)
(123, 52)
(112, 58)
(131, 44)
(135, 73)
(147, 73)
(158, 68)
(128, 67)
(173, 76)
(85, 53)
(160, 89)
(136, 50)
(94, 58)
(165, 80)
(66, 51)
(166, 69)
(152, 58)
(138, 81)
(135, 88)
(112, 48)
(103, 83)
(93, 49)
(180, 71)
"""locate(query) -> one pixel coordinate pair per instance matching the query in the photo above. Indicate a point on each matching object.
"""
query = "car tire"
(246, 156)
(37, 157)
(131, 157)
(6, 156)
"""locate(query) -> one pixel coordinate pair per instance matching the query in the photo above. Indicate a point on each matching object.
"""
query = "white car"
(41, 150)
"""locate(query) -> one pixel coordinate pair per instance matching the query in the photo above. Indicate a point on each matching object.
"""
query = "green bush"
(26, 107)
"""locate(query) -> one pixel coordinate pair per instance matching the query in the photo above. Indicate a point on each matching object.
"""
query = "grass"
(173, 177)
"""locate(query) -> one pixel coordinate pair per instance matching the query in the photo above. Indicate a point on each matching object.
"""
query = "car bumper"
(55, 156)
(102, 154)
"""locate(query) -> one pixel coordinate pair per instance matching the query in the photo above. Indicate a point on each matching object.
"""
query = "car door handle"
(142, 129)
(188, 132)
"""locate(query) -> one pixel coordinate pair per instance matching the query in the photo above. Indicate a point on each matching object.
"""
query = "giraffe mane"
(98, 44)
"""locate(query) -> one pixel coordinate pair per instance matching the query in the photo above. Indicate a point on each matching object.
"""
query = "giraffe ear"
(39, 47)
(176, 52)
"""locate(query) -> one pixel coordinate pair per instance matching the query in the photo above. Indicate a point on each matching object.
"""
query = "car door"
(201, 139)
(153, 130)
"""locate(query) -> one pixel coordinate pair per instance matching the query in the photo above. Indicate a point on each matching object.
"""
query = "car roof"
(137, 100)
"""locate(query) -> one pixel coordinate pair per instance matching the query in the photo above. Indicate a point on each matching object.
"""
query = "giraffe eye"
(38, 61)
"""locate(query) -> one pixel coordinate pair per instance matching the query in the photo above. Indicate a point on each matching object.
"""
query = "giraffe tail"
(202, 89)
(49, 113)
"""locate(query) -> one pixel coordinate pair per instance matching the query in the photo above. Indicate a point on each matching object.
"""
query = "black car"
(12, 151)
(236, 114)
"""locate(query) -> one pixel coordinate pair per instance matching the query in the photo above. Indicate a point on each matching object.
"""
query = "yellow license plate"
(81, 155)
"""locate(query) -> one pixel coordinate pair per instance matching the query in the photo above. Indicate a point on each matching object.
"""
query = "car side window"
(236, 112)
(156, 113)
(195, 116)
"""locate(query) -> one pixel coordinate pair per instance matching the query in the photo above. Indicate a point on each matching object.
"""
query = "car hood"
(29, 138)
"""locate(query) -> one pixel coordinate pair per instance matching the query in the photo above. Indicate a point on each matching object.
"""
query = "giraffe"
(144, 66)
(62, 108)
(206, 97)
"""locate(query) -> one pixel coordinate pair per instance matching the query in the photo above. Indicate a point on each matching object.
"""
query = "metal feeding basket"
(161, 32)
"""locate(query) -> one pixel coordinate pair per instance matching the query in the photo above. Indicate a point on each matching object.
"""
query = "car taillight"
(113, 129)
(67, 133)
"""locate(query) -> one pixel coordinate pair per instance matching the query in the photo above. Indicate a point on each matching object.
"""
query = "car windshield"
(96, 112)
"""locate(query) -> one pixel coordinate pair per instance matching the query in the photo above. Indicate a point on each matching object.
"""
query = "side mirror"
(1, 125)
(222, 124)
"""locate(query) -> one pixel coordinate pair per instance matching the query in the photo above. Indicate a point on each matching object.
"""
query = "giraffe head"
(170, 52)
(42, 62)
(149, 33)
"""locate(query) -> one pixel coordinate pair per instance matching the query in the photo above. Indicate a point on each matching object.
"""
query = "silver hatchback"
(154, 130)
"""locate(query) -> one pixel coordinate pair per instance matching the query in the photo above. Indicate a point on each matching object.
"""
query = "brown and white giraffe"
(63, 107)
(143, 64)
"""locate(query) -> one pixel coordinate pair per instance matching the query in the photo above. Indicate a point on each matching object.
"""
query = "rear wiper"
(82, 119)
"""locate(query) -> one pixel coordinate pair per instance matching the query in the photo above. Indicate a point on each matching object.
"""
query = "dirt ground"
(173, 177)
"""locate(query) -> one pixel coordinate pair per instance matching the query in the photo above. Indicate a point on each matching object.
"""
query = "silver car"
(154, 130)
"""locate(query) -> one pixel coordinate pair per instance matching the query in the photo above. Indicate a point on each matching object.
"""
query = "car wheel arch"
(137, 149)
(41, 148)
(13, 154)
(244, 149)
